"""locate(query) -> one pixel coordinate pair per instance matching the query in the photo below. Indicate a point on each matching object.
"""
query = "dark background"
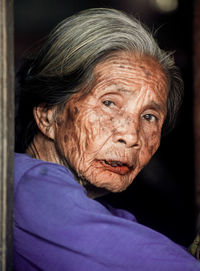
(162, 196)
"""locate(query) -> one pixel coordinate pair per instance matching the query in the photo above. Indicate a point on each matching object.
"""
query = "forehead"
(123, 62)
(131, 70)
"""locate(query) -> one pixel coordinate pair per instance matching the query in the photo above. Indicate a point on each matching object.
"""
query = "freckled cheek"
(154, 143)
(66, 138)
(85, 133)
(149, 147)
(99, 122)
(66, 142)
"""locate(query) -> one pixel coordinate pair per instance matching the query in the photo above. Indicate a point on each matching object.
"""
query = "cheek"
(66, 136)
(82, 135)
(96, 127)
(153, 143)
(150, 145)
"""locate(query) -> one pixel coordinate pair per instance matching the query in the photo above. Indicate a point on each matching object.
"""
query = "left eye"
(108, 103)
(150, 117)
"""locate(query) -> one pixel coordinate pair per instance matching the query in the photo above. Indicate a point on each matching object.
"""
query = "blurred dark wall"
(162, 196)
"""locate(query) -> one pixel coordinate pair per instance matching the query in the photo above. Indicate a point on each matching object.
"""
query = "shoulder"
(29, 169)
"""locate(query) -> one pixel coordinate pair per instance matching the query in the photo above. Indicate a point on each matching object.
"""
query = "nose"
(129, 135)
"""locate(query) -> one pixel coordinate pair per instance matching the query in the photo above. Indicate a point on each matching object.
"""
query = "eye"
(150, 117)
(108, 103)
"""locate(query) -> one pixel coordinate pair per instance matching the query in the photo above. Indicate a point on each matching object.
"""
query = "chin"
(112, 182)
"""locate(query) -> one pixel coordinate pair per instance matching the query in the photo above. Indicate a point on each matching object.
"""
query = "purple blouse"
(58, 228)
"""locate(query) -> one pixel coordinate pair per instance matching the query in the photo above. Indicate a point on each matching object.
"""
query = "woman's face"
(110, 135)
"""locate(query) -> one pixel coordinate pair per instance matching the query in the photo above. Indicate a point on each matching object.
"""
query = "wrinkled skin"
(110, 134)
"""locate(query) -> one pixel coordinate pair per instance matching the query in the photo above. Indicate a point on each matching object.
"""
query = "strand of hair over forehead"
(83, 37)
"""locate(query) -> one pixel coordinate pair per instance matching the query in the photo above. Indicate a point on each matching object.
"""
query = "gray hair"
(66, 61)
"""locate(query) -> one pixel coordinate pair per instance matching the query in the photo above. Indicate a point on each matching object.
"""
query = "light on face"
(166, 5)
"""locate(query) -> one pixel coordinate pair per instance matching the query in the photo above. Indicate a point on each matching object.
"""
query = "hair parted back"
(65, 63)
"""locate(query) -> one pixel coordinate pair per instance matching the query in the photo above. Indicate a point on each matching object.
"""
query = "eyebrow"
(152, 104)
(124, 90)
(157, 107)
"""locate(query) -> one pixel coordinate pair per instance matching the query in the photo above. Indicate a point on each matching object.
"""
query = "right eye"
(150, 117)
(108, 103)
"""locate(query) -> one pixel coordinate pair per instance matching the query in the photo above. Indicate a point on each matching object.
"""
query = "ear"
(44, 118)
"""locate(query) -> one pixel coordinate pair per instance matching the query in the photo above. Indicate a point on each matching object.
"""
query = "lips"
(117, 167)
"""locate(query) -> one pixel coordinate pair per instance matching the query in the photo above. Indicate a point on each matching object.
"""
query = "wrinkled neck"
(43, 148)
(93, 192)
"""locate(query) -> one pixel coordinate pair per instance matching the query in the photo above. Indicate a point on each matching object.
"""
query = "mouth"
(117, 166)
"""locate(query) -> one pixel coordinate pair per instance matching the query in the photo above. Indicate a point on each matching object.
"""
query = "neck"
(93, 191)
(43, 148)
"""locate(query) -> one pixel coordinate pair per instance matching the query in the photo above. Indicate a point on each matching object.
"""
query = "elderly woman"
(94, 102)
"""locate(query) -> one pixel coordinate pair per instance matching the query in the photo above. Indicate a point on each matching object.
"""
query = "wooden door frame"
(196, 103)
(6, 134)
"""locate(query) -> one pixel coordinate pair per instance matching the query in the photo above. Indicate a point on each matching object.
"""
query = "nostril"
(130, 144)
(122, 141)
(137, 145)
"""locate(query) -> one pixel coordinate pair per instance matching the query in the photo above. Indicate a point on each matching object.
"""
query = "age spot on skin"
(60, 121)
(73, 150)
(75, 110)
(128, 120)
(155, 135)
(147, 73)
(65, 138)
(70, 113)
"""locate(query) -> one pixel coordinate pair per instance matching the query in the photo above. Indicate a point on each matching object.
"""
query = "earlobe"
(44, 118)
